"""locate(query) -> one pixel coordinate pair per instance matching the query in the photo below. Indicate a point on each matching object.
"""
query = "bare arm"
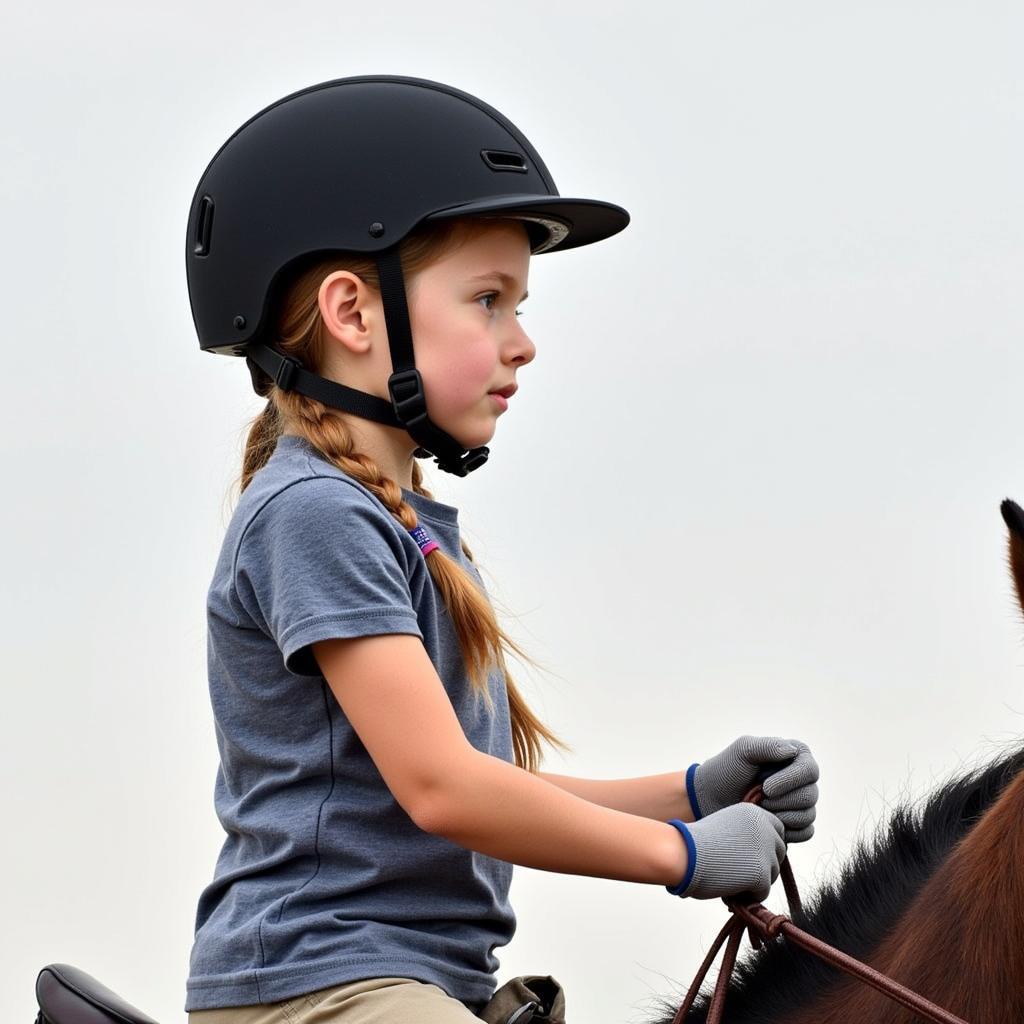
(651, 796)
(496, 808)
(389, 690)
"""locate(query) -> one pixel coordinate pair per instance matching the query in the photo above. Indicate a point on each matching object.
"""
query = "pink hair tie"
(420, 536)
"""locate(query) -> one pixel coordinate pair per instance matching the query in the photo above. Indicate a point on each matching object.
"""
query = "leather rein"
(764, 926)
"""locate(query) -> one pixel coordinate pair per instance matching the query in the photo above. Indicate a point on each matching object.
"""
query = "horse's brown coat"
(961, 942)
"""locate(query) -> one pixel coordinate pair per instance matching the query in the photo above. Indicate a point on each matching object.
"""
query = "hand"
(738, 849)
(790, 792)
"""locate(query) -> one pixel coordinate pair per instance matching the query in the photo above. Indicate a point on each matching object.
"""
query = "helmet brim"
(569, 222)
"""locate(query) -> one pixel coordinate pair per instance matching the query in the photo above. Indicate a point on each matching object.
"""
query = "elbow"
(435, 812)
(437, 804)
(431, 813)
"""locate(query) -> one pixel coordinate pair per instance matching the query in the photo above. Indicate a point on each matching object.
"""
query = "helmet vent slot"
(204, 225)
(498, 160)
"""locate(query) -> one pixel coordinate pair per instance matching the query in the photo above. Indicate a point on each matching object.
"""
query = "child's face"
(467, 338)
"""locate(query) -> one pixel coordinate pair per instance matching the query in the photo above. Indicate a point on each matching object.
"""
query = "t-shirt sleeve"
(320, 560)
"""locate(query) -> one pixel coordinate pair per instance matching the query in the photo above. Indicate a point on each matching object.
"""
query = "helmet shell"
(354, 165)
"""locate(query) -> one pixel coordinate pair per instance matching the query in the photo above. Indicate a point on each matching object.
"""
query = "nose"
(521, 347)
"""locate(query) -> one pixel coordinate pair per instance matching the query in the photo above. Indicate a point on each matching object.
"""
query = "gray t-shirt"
(323, 878)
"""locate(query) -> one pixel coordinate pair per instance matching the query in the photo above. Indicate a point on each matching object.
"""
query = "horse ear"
(1013, 516)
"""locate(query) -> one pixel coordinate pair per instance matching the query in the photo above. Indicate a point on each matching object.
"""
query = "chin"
(473, 437)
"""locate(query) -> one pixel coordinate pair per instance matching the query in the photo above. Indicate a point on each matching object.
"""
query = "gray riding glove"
(737, 849)
(790, 792)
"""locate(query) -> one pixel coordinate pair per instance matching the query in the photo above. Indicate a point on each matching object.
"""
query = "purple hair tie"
(420, 536)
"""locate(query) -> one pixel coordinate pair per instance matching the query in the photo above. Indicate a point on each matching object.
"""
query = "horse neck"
(961, 941)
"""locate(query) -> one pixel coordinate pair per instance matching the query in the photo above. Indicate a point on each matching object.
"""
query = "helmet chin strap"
(408, 406)
(405, 384)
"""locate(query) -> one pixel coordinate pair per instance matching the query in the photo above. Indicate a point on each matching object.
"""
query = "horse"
(934, 900)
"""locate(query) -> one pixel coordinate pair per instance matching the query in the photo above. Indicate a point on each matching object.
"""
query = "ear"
(347, 309)
(1013, 516)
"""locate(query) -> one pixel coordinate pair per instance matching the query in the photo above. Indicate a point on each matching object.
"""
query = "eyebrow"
(506, 279)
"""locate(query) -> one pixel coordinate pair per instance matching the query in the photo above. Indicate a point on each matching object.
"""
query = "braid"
(480, 637)
(329, 435)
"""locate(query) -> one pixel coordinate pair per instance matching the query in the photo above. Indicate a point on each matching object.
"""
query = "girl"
(373, 808)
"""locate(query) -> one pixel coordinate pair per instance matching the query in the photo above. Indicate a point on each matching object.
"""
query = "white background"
(749, 484)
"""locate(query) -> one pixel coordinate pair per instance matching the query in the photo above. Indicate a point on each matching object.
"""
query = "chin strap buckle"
(285, 375)
(407, 396)
(474, 459)
(454, 460)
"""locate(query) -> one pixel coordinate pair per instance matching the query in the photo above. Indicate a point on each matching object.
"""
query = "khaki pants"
(369, 1001)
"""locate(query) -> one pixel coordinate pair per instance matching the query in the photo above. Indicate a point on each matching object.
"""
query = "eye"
(494, 295)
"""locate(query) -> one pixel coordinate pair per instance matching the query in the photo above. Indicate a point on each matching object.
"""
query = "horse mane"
(861, 907)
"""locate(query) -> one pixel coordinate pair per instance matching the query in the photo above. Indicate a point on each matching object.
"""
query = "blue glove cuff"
(692, 793)
(691, 858)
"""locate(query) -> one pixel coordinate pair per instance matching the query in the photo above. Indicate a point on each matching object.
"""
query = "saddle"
(68, 995)
(529, 997)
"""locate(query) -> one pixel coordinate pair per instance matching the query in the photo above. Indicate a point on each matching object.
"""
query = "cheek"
(459, 369)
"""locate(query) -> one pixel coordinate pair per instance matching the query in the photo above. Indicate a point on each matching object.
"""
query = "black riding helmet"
(286, 186)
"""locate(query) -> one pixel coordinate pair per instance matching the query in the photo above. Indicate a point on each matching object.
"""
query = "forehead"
(503, 246)
(483, 253)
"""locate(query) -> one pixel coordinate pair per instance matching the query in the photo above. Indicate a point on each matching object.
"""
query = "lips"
(506, 392)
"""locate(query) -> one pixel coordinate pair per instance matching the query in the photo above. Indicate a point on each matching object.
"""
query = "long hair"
(297, 327)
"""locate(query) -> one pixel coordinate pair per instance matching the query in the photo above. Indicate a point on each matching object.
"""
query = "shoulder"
(300, 484)
(311, 497)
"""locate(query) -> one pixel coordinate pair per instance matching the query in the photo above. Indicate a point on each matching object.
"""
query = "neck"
(389, 447)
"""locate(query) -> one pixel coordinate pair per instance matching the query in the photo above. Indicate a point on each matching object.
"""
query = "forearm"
(496, 808)
(651, 796)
